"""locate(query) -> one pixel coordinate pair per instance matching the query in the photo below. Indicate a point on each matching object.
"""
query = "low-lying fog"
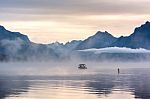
(65, 68)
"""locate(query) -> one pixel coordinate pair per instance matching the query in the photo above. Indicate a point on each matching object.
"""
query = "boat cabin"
(82, 66)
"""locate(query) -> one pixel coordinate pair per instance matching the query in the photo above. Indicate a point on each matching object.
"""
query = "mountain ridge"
(16, 45)
(140, 38)
(99, 40)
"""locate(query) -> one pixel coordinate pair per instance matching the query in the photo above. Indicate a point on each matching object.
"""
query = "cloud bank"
(76, 6)
(116, 50)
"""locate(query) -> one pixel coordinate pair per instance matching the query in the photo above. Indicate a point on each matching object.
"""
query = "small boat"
(82, 66)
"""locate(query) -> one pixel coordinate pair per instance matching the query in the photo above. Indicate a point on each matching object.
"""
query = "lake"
(131, 83)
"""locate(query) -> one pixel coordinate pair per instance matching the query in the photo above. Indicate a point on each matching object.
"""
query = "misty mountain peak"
(147, 22)
(99, 40)
(2, 28)
(146, 25)
(145, 28)
(140, 38)
(102, 33)
(58, 43)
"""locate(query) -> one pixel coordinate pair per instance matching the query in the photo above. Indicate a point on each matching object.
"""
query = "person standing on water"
(118, 71)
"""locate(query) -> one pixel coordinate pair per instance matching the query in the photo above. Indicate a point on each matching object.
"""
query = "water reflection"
(130, 84)
(9, 86)
(141, 83)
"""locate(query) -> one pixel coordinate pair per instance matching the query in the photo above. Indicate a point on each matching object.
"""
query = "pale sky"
(46, 21)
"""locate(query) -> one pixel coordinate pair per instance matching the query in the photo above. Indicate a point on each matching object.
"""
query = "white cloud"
(116, 50)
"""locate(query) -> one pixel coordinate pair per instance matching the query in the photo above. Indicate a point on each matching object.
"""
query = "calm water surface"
(129, 84)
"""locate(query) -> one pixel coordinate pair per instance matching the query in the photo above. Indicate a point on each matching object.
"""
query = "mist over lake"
(36, 80)
(65, 68)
